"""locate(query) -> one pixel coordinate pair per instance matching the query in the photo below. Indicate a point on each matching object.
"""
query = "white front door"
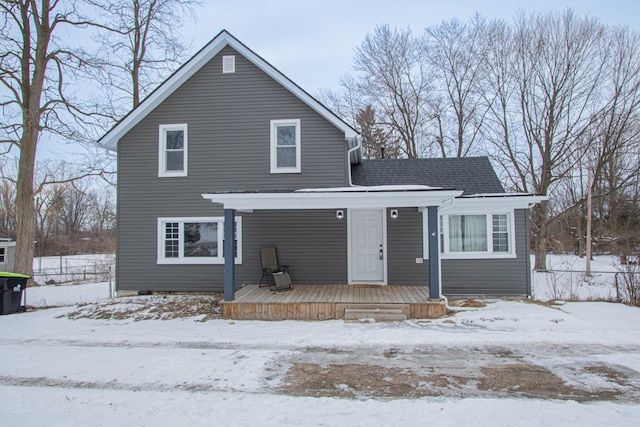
(367, 246)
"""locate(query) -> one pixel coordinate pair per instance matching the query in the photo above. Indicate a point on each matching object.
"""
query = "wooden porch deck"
(326, 302)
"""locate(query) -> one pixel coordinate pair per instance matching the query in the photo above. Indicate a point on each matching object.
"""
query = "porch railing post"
(434, 253)
(229, 255)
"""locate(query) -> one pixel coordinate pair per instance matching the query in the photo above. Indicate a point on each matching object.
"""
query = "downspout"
(451, 202)
(349, 151)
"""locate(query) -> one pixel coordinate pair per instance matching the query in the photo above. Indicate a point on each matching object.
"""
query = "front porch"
(328, 302)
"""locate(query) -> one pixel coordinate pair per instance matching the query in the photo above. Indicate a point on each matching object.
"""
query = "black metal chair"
(271, 267)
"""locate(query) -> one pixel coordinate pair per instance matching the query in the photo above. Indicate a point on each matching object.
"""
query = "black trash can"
(11, 287)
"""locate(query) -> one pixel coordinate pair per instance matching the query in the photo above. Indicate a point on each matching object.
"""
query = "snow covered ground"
(62, 372)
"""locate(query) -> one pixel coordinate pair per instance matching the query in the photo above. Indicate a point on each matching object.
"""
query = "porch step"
(377, 314)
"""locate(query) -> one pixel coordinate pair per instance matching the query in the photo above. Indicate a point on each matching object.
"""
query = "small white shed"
(7, 254)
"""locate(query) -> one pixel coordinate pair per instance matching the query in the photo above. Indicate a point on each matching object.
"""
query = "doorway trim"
(384, 245)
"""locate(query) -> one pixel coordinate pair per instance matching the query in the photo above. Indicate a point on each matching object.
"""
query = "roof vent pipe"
(382, 151)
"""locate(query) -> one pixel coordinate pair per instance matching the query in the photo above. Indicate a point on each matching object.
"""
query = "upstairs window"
(285, 146)
(1, 254)
(172, 159)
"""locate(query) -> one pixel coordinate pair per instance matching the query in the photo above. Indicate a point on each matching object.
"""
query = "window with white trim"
(285, 146)
(195, 240)
(173, 150)
(477, 235)
(2, 253)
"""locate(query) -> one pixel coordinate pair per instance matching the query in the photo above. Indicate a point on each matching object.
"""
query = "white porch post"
(229, 254)
(434, 253)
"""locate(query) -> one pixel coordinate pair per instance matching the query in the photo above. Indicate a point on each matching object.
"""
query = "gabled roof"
(472, 175)
(182, 74)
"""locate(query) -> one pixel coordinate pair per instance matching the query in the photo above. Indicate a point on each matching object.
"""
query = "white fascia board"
(349, 200)
(494, 204)
(368, 189)
(111, 138)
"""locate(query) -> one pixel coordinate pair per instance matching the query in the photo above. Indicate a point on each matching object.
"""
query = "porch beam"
(434, 253)
(229, 251)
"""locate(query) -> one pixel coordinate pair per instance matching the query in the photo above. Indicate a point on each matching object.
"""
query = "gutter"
(352, 150)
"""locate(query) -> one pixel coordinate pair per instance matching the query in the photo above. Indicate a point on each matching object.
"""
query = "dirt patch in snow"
(527, 380)
(357, 381)
(363, 381)
(155, 307)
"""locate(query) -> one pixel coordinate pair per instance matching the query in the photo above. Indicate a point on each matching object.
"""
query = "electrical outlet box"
(419, 260)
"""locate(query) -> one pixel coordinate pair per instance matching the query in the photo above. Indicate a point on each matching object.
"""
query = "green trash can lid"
(6, 274)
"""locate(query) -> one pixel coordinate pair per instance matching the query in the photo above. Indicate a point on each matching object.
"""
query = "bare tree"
(375, 142)
(457, 51)
(141, 44)
(393, 77)
(556, 69)
(615, 152)
(103, 216)
(75, 210)
(7, 207)
(34, 67)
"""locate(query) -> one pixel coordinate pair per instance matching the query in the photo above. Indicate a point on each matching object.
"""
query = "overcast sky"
(312, 41)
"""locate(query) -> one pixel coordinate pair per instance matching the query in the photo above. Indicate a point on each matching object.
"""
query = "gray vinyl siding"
(492, 277)
(404, 245)
(312, 243)
(228, 118)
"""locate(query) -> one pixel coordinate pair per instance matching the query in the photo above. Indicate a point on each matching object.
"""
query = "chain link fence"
(568, 285)
(64, 281)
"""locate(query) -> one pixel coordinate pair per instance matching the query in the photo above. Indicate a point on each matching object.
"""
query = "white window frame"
(162, 150)
(274, 149)
(443, 228)
(3, 253)
(161, 259)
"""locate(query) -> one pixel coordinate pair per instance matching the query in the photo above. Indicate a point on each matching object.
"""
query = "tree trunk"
(25, 210)
(540, 243)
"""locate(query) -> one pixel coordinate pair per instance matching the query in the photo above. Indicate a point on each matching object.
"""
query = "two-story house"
(228, 148)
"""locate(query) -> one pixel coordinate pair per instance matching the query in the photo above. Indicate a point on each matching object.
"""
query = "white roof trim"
(331, 199)
(369, 188)
(111, 138)
(497, 202)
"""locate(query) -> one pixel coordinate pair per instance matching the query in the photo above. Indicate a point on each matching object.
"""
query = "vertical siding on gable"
(495, 277)
(228, 118)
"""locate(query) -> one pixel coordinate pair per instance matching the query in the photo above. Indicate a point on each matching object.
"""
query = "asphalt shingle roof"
(473, 175)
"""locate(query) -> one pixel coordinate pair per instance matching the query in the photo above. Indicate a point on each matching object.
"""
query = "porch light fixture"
(394, 213)
(339, 214)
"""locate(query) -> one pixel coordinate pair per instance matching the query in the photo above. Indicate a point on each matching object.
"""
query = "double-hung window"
(195, 240)
(2, 253)
(173, 150)
(477, 235)
(285, 146)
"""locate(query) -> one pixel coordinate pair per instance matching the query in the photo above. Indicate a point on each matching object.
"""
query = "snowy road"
(532, 371)
(507, 364)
